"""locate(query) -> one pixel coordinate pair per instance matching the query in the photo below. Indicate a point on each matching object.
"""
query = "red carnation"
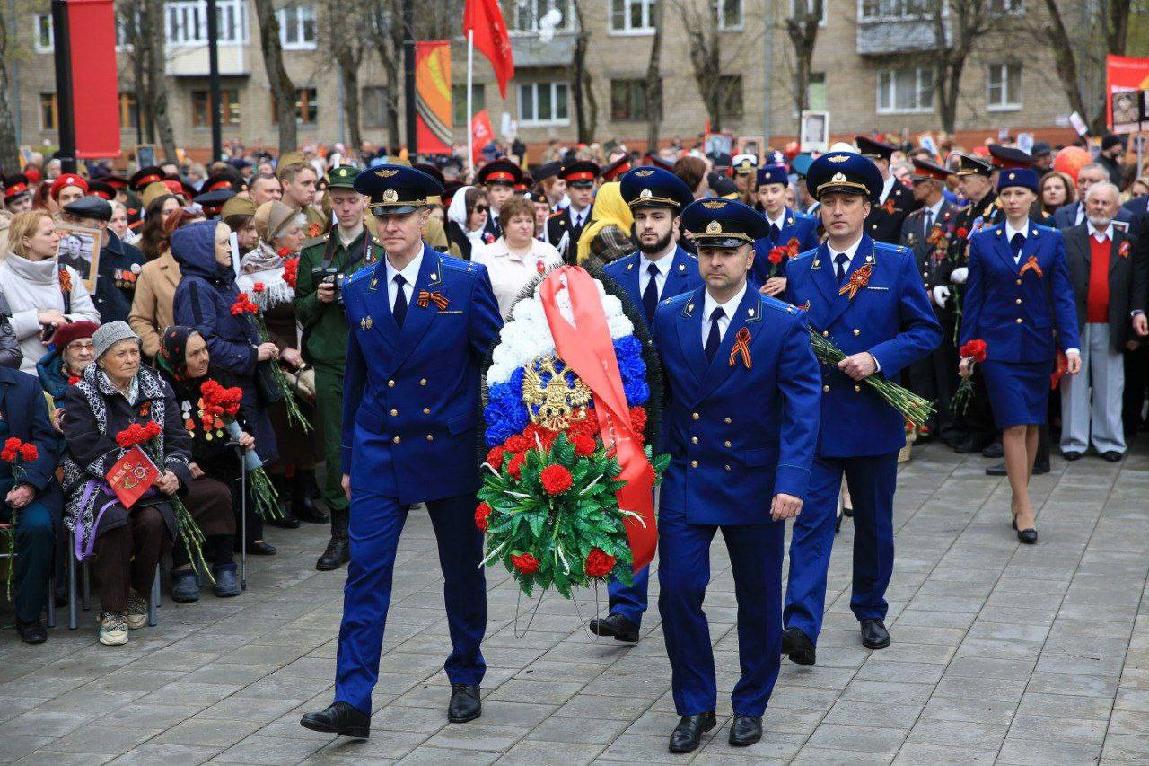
(584, 445)
(599, 563)
(12, 442)
(152, 430)
(525, 563)
(556, 479)
(515, 469)
(481, 515)
(776, 255)
(73, 380)
(962, 232)
(29, 453)
(8, 455)
(258, 287)
(517, 443)
(291, 271)
(975, 349)
(496, 457)
(638, 419)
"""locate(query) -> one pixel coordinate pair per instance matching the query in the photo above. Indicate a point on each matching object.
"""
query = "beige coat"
(152, 307)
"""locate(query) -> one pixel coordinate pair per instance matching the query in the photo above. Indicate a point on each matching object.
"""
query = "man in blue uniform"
(784, 225)
(867, 298)
(740, 424)
(659, 270)
(420, 324)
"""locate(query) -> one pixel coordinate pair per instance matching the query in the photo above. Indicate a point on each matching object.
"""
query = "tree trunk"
(947, 86)
(653, 83)
(349, 72)
(1065, 60)
(9, 152)
(586, 109)
(155, 71)
(142, 38)
(802, 29)
(1117, 26)
(282, 88)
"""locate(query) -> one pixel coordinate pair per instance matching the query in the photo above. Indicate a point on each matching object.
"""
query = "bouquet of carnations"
(17, 453)
(974, 350)
(779, 254)
(244, 305)
(219, 407)
(567, 495)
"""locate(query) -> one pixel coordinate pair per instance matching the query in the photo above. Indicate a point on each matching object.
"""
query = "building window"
(816, 92)
(459, 102)
(229, 111)
(906, 90)
(543, 103)
(729, 14)
(44, 42)
(297, 27)
(873, 10)
(631, 16)
(306, 107)
(730, 93)
(127, 111)
(47, 111)
(628, 100)
(527, 14)
(810, 9)
(185, 22)
(1003, 86)
(373, 106)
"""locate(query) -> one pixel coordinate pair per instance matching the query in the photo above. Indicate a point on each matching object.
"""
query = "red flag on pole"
(481, 133)
(485, 19)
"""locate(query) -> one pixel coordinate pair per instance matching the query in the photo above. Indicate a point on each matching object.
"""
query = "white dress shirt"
(578, 217)
(662, 265)
(1099, 235)
(410, 273)
(887, 187)
(780, 221)
(1010, 231)
(728, 309)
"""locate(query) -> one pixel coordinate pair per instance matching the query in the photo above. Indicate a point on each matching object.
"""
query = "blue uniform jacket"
(736, 435)
(411, 396)
(891, 318)
(1022, 313)
(798, 226)
(683, 276)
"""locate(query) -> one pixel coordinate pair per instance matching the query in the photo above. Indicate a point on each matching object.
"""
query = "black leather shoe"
(617, 627)
(337, 554)
(465, 703)
(874, 634)
(1071, 456)
(304, 509)
(286, 521)
(688, 733)
(997, 469)
(1040, 468)
(32, 632)
(745, 730)
(1112, 456)
(798, 647)
(339, 718)
(969, 445)
(994, 451)
(260, 548)
(1027, 536)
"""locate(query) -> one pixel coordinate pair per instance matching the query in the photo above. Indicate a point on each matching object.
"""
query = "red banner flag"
(481, 134)
(95, 89)
(485, 19)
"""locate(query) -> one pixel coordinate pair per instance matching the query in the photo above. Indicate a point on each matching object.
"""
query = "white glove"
(959, 275)
(941, 295)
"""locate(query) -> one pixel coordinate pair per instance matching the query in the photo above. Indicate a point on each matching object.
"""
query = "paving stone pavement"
(1001, 653)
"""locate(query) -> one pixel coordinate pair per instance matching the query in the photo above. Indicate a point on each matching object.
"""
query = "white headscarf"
(457, 212)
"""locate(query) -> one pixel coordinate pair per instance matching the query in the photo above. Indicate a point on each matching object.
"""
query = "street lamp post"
(213, 78)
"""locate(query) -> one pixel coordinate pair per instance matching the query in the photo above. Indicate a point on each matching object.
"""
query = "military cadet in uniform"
(17, 194)
(784, 226)
(617, 169)
(499, 178)
(927, 232)
(300, 183)
(420, 324)
(740, 424)
(745, 169)
(884, 223)
(565, 226)
(119, 263)
(325, 264)
(868, 299)
(1019, 300)
(659, 270)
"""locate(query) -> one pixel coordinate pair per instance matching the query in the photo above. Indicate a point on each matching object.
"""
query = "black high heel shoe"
(1027, 536)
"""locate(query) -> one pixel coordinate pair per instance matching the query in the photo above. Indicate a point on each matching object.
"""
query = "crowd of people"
(119, 298)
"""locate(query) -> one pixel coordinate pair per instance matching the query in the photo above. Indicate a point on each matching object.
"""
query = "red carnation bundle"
(976, 352)
(975, 349)
(243, 305)
(216, 404)
(17, 453)
(138, 434)
(291, 271)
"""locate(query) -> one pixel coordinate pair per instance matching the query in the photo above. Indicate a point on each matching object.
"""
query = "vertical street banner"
(95, 89)
(433, 96)
(1126, 93)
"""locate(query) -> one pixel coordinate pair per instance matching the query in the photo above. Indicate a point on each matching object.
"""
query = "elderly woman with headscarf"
(262, 277)
(113, 394)
(203, 300)
(607, 237)
(466, 219)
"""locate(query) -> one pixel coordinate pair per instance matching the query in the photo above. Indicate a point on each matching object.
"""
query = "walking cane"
(242, 518)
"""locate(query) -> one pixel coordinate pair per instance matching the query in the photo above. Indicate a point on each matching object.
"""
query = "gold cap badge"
(390, 195)
(714, 228)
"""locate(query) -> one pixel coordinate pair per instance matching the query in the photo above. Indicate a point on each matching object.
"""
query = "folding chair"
(154, 602)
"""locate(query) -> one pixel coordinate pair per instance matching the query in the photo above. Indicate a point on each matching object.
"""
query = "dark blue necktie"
(650, 294)
(842, 262)
(399, 311)
(1016, 242)
(714, 338)
(774, 233)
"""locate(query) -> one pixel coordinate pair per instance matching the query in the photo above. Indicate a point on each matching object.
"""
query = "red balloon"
(1071, 159)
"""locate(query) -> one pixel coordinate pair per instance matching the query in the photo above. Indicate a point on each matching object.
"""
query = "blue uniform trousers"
(872, 481)
(756, 553)
(629, 601)
(33, 565)
(375, 524)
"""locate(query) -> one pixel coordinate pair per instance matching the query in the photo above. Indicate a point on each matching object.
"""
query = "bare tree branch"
(282, 88)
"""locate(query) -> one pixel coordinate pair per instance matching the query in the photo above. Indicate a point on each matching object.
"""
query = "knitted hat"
(66, 333)
(67, 179)
(271, 217)
(110, 334)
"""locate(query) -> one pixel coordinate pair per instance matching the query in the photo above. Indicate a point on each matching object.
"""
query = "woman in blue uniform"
(1020, 302)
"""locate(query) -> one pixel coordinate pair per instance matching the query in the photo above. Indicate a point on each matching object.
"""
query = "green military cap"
(342, 177)
(237, 206)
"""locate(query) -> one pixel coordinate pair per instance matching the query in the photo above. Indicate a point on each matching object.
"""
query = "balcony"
(185, 37)
(191, 61)
(530, 51)
(884, 35)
